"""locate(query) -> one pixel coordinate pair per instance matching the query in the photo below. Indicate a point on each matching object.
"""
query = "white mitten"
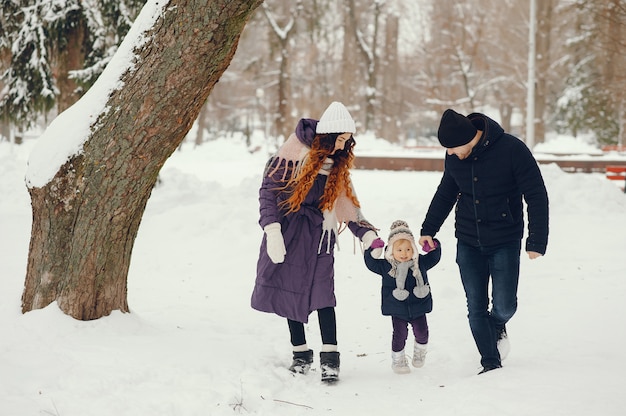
(275, 243)
(368, 238)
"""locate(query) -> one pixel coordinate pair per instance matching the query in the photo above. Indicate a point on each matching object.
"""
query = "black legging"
(328, 328)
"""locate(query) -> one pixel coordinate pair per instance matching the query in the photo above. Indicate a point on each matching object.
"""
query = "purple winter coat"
(304, 282)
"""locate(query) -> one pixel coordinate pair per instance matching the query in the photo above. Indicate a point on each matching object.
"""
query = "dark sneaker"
(504, 346)
(489, 368)
(302, 361)
(329, 364)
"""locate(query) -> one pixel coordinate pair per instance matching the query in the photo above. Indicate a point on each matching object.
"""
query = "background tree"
(508, 50)
(391, 100)
(367, 43)
(543, 40)
(282, 34)
(86, 218)
(56, 51)
(107, 25)
(591, 99)
(8, 26)
(30, 89)
(393, 62)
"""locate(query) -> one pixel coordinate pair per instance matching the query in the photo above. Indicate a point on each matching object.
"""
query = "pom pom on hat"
(455, 129)
(336, 119)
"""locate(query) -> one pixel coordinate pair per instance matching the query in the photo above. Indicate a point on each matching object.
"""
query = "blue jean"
(479, 265)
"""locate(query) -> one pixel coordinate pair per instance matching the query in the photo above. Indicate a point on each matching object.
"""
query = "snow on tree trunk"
(86, 218)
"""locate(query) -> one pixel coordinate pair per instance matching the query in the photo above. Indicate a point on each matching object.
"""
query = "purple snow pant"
(401, 332)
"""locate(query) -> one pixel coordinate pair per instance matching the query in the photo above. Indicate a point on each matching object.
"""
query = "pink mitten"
(378, 243)
(427, 248)
(377, 248)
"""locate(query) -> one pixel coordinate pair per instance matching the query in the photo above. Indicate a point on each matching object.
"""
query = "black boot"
(301, 362)
(329, 363)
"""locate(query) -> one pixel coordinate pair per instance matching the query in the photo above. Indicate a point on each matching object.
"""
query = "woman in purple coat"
(306, 198)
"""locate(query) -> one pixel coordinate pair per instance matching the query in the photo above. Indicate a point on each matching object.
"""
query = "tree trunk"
(202, 124)
(86, 218)
(542, 40)
(391, 98)
(614, 62)
(350, 68)
(369, 58)
(282, 113)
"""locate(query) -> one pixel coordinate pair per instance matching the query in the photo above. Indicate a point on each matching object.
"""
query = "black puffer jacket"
(487, 188)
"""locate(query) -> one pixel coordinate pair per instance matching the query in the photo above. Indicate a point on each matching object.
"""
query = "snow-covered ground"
(193, 346)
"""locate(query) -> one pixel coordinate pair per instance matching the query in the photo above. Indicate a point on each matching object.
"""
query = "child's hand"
(378, 243)
(377, 247)
(427, 247)
(427, 244)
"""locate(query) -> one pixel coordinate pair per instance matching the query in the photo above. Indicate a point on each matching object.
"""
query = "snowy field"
(193, 346)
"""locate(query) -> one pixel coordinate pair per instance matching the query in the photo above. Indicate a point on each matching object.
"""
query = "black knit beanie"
(455, 129)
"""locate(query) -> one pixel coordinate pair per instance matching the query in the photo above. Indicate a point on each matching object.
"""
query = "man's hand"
(426, 239)
(533, 255)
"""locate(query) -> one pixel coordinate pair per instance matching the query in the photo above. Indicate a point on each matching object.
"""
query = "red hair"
(338, 181)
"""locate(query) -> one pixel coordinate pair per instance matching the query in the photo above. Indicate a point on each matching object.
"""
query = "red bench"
(617, 173)
(614, 148)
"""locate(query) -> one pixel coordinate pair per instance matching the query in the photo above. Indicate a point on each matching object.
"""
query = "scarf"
(399, 271)
(291, 156)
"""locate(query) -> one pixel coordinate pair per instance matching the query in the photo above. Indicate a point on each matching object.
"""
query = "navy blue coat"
(412, 307)
(487, 188)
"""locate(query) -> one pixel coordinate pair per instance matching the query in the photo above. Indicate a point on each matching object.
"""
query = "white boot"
(399, 364)
(419, 355)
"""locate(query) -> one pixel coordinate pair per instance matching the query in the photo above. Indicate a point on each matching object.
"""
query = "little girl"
(405, 290)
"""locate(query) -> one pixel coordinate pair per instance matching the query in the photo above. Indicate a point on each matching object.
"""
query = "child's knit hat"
(399, 231)
(336, 119)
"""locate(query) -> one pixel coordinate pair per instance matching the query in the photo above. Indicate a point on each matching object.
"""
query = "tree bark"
(86, 218)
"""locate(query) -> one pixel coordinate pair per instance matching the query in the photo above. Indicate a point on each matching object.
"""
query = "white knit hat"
(400, 231)
(336, 119)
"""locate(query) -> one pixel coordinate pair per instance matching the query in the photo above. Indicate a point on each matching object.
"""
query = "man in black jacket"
(487, 173)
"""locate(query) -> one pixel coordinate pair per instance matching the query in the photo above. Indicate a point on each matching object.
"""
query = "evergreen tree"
(108, 24)
(38, 34)
(29, 88)
(592, 95)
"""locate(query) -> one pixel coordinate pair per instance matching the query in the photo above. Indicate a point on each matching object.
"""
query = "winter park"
(130, 212)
